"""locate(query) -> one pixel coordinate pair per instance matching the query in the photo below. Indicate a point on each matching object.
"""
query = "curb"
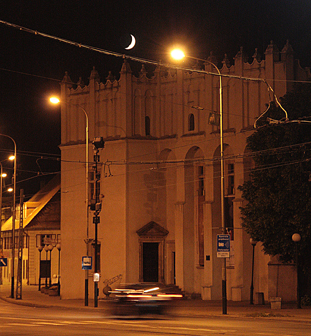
(276, 315)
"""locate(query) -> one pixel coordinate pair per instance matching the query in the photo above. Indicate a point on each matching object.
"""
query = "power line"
(124, 56)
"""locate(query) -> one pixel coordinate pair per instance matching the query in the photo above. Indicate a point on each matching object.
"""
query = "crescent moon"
(132, 44)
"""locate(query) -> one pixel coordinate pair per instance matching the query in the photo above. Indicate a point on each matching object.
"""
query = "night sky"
(31, 66)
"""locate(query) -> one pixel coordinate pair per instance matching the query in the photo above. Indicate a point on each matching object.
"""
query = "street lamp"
(178, 54)
(13, 158)
(2, 176)
(253, 243)
(296, 239)
(55, 100)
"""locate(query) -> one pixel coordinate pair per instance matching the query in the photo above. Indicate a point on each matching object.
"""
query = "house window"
(46, 239)
(7, 243)
(147, 125)
(191, 122)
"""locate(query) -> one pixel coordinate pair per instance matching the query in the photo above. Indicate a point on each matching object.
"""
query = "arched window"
(147, 125)
(191, 122)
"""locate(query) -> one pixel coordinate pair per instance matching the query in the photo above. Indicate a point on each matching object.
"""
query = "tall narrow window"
(230, 189)
(191, 122)
(147, 125)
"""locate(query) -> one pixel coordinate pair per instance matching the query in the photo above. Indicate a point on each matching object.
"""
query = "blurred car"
(143, 298)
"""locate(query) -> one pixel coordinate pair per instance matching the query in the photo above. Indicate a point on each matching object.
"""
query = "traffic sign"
(3, 262)
(223, 246)
(86, 263)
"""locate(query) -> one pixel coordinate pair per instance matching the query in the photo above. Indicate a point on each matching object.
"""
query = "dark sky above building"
(31, 66)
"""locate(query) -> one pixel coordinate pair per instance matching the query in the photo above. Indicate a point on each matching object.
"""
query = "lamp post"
(47, 270)
(50, 248)
(55, 100)
(13, 214)
(178, 55)
(58, 246)
(296, 239)
(253, 243)
(98, 143)
(40, 248)
(3, 175)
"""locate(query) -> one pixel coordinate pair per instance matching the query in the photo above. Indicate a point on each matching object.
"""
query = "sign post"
(223, 251)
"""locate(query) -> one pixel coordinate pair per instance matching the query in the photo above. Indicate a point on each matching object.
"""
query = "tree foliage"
(278, 193)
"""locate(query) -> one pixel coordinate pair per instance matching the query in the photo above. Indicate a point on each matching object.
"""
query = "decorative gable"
(152, 229)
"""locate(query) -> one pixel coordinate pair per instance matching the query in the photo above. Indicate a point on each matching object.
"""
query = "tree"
(278, 194)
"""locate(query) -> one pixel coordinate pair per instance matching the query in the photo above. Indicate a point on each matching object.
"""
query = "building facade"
(160, 175)
(40, 235)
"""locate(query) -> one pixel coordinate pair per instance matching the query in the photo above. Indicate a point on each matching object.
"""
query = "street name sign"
(223, 246)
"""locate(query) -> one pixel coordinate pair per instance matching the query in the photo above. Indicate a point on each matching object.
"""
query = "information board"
(223, 246)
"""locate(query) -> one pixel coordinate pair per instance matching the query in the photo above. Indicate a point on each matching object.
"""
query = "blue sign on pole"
(86, 263)
(3, 262)
(223, 246)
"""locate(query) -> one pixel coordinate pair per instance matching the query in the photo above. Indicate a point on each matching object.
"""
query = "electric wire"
(145, 61)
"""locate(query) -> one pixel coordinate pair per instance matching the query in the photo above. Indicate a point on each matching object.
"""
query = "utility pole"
(96, 207)
(20, 248)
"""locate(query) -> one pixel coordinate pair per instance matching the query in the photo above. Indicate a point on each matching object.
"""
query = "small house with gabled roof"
(41, 235)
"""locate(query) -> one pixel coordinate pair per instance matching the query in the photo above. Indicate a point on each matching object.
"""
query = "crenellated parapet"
(154, 100)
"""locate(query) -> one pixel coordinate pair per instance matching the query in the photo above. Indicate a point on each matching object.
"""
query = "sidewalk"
(191, 308)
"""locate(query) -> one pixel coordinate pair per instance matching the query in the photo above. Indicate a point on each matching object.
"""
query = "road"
(24, 321)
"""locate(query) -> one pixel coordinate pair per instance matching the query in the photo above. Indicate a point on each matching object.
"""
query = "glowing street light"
(55, 101)
(178, 54)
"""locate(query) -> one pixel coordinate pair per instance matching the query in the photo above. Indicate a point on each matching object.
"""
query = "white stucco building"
(160, 175)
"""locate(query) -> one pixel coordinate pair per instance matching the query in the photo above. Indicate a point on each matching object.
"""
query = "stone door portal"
(151, 252)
